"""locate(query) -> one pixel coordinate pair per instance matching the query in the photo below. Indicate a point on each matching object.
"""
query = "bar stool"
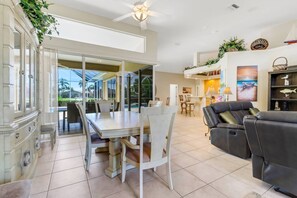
(190, 106)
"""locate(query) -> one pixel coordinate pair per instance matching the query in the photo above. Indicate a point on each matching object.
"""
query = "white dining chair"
(151, 154)
(50, 129)
(103, 106)
(93, 139)
(155, 103)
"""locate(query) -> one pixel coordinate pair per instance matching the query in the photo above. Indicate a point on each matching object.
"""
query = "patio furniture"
(49, 128)
(93, 139)
(151, 154)
(72, 114)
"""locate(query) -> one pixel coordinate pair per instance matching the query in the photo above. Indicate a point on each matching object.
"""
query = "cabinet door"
(33, 78)
(27, 76)
(18, 71)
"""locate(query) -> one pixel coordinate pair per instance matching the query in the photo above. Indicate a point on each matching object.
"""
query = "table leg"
(63, 120)
(114, 158)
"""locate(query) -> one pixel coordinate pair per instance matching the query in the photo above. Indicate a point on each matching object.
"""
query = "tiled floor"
(199, 170)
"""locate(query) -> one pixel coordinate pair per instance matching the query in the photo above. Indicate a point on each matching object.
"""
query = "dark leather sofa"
(272, 137)
(228, 137)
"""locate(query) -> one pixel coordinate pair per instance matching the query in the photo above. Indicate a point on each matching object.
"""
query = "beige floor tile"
(40, 184)
(200, 154)
(205, 172)
(68, 140)
(132, 176)
(231, 187)
(67, 177)
(184, 182)
(183, 147)
(214, 150)
(69, 163)
(39, 195)
(245, 175)
(45, 158)
(156, 189)
(223, 165)
(66, 147)
(174, 151)
(271, 193)
(97, 169)
(44, 168)
(162, 170)
(68, 154)
(78, 190)
(104, 186)
(123, 194)
(206, 192)
(198, 143)
(234, 159)
(184, 160)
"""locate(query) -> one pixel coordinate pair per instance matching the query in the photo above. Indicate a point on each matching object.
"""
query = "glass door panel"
(27, 76)
(18, 71)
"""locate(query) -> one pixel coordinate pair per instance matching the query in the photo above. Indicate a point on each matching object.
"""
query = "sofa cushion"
(228, 117)
(254, 111)
(239, 115)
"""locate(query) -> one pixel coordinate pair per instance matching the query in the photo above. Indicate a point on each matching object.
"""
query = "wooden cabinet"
(282, 90)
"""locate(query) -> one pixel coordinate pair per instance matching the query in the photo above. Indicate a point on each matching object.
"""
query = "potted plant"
(42, 22)
(232, 45)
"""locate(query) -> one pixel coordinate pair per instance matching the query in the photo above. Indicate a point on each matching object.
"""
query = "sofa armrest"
(278, 116)
(230, 126)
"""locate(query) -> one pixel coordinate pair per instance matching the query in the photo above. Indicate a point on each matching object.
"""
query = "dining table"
(114, 126)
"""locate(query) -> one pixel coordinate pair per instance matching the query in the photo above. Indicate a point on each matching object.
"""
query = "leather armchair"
(228, 137)
(272, 137)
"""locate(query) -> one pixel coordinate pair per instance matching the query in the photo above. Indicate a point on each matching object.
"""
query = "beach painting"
(247, 83)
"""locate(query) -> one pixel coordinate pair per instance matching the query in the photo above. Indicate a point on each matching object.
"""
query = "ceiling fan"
(140, 12)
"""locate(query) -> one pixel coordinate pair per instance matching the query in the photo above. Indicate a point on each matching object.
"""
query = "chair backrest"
(72, 113)
(103, 106)
(155, 103)
(160, 120)
(84, 120)
(181, 98)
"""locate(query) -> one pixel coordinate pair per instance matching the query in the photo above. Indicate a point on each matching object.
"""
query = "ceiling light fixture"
(140, 12)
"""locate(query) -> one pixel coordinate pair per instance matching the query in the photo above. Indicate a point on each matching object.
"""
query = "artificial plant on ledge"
(234, 44)
(42, 22)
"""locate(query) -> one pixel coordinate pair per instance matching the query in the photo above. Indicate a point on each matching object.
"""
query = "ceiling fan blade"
(122, 17)
(153, 13)
(148, 3)
(131, 6)
(143, 25)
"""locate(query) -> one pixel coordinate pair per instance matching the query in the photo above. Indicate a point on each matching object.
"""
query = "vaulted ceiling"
(189, 26)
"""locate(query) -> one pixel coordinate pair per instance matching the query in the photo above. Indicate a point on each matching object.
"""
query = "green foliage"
(232, 45)
(42, 22)
(212, 61)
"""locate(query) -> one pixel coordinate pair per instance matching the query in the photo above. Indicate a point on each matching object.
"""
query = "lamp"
(140, 12)
(210, 92)
(292, 36)
(227, 91)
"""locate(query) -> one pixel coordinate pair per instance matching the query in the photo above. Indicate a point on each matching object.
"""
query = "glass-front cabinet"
(25, 59)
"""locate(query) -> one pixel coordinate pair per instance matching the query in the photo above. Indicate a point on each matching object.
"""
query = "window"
(111, 88)
(99, 36)
(27, 76)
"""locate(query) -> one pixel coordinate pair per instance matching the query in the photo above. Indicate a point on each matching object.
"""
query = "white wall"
(264, 60)
(277, 34)
(163, 81)
(149, 57)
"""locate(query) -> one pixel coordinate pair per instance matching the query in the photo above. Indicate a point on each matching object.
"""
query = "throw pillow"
(254, 111)
(228, 117)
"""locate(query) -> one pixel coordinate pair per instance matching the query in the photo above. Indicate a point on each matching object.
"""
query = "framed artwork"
(187, 90)
(247, 83)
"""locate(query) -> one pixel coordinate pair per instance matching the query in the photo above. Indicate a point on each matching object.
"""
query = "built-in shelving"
(278, 81)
